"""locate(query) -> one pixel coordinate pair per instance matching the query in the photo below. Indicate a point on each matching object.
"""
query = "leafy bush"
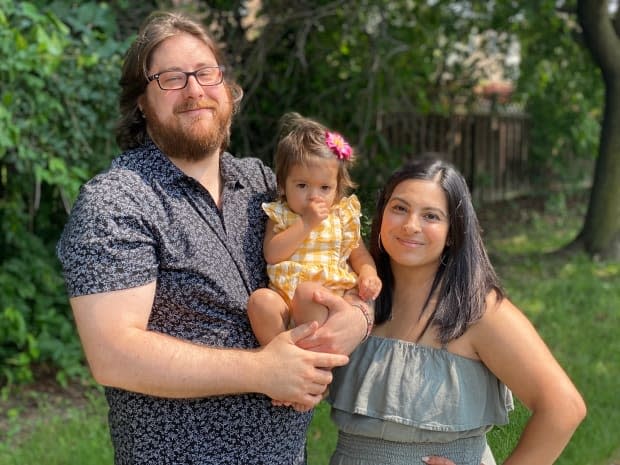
(55, 103)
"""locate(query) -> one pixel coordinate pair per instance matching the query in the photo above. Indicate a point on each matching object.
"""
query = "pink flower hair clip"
(338, 145)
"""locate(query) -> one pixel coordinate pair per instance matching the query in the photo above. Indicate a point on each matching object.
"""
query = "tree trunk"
(600, 235)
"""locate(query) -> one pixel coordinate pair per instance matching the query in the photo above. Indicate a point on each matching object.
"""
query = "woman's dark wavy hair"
(158, 26)
(465, 275)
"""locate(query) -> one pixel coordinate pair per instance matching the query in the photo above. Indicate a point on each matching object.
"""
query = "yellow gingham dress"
(323, 256)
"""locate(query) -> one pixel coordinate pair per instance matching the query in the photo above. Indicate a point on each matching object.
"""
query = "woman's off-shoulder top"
(400, 391)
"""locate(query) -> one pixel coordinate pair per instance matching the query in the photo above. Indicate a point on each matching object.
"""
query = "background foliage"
(57, 96)
(560, 86)
(345, 62)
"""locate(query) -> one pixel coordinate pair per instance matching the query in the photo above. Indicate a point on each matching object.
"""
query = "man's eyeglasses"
(176, 80)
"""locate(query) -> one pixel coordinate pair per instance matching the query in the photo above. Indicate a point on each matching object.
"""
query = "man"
(160, 255)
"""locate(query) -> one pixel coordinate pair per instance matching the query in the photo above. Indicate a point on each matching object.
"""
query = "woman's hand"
(434, 460)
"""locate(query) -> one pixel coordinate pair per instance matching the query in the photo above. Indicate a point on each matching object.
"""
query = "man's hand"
(292, 374)
(344, 329)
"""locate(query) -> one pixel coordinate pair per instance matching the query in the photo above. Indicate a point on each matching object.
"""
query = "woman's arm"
(509, 345)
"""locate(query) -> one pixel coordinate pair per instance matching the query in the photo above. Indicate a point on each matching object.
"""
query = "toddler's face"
(316, 180)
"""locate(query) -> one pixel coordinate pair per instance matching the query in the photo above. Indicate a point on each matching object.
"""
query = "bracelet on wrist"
(369, 320)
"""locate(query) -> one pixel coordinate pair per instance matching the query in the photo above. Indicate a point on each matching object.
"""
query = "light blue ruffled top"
(403, 391)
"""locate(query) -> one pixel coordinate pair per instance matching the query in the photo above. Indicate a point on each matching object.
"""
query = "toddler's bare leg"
(268, 314)
(303, 308)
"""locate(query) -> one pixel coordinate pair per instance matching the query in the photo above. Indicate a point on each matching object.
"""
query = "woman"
(448, 346)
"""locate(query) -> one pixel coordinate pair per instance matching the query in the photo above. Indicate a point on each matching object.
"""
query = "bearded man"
(160, 254)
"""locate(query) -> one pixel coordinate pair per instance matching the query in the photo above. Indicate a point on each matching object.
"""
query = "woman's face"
(415, 224)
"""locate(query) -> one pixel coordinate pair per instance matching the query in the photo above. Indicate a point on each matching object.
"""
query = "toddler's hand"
(315, 212)
(369, 287)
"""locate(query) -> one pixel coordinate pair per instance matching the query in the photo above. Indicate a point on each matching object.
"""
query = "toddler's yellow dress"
(323, 256)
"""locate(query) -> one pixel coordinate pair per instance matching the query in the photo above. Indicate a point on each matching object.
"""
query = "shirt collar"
(164, 171)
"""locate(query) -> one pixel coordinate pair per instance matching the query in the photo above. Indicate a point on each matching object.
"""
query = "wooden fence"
(491, 150)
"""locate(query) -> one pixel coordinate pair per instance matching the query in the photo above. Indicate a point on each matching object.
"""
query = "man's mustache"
(199, 105)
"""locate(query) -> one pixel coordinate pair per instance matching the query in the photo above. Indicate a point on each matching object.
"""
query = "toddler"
(312, 238)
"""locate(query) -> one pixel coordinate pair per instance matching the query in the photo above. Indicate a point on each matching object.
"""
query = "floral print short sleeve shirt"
(142, 221)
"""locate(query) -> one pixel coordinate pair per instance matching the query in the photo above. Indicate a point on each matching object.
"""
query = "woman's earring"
(379, 243)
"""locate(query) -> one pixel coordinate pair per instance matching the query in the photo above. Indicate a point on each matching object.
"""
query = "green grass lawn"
(574, 303)
(55, 431)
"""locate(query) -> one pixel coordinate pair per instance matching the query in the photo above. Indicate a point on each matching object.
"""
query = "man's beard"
(191, 140)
